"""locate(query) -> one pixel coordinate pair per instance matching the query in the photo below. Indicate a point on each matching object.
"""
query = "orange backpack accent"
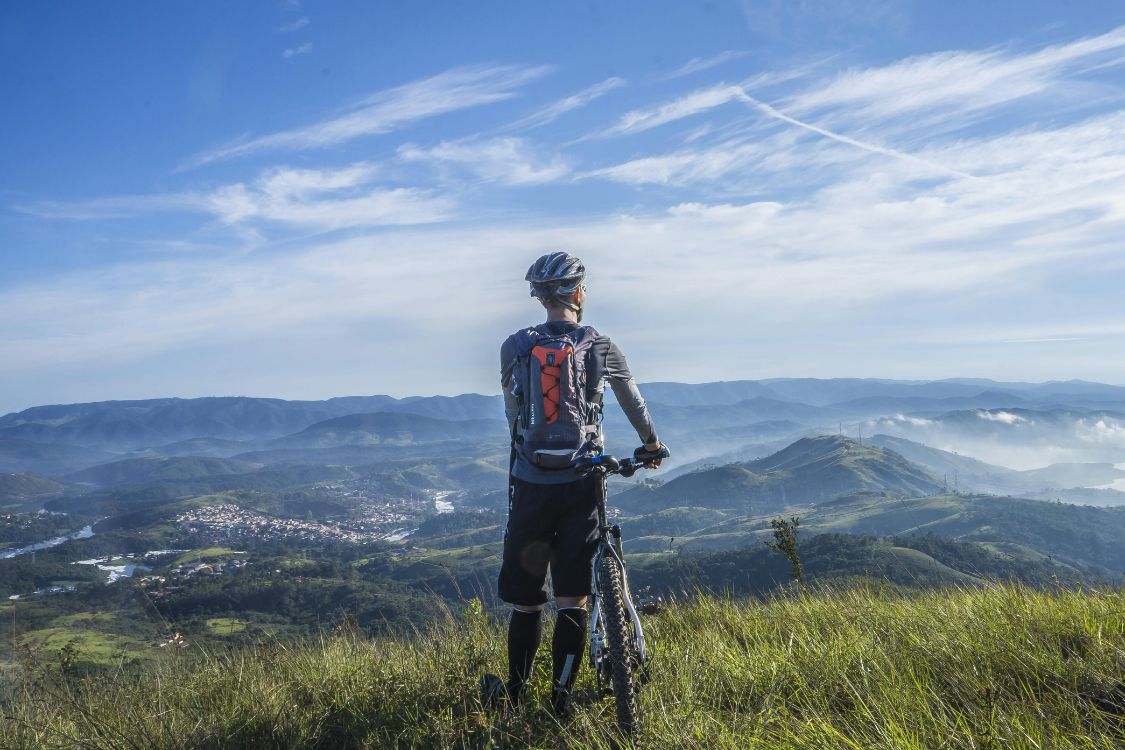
(550, 368)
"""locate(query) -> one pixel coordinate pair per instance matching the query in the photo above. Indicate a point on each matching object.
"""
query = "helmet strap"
(569, 303)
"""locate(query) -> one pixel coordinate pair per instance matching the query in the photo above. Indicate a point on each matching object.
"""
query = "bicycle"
(617, 652)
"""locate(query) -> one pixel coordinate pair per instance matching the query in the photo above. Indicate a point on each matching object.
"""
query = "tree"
(785, 543)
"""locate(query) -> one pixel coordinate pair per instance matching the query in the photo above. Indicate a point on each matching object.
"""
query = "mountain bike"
(617, 643)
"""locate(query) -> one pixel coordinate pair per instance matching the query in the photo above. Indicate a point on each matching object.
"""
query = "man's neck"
(565, 315)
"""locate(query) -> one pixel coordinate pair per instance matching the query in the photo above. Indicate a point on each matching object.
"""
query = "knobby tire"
(620, 646)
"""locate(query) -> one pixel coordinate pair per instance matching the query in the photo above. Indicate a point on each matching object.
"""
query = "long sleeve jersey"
(606, 364)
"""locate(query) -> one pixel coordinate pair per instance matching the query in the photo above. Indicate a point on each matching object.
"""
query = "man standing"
(553, 376)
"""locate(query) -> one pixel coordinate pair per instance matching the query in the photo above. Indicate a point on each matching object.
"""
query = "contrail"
(776, 114)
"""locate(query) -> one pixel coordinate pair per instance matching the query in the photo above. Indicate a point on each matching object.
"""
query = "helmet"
(555, 275)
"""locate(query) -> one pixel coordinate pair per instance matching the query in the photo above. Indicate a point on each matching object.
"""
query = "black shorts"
(549, 524)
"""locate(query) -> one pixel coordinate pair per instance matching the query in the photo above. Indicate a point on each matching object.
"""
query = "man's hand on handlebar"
(651, 454)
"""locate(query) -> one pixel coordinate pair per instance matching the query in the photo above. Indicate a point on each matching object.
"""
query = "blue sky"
(308, 200)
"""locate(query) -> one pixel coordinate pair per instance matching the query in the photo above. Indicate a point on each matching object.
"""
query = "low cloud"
(1003, 417)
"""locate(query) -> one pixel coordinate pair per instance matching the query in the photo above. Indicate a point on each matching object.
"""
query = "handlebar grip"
(640, 454)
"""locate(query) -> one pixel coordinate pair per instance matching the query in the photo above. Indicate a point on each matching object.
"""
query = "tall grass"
(1003, 667)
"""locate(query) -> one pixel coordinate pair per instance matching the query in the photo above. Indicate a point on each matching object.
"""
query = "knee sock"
(525, 630)
(569, 646)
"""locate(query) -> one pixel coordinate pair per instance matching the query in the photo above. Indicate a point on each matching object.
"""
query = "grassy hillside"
(989, 668)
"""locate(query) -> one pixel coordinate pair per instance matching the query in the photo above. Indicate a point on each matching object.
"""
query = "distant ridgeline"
(229, 519)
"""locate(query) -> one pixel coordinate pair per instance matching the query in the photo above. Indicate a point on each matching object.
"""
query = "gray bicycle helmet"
(556, 277)
(555, 274)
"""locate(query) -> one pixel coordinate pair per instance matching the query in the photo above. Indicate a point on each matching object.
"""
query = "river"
(84, 533)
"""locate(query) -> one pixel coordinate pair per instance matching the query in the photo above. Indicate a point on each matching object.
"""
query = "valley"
(127, 527)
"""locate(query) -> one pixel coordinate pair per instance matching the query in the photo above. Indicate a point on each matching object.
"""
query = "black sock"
(569, 646)
(525, 630)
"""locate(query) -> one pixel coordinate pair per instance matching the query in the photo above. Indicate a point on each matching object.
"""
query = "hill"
(19, 488)
(159, 469)
(858, 668)
(1086, 539)
(808, 471)
(389, 428)
(53, 460)
(133, 425)
(911, 562)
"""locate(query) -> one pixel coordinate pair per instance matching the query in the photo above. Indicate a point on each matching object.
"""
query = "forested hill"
(810, 470)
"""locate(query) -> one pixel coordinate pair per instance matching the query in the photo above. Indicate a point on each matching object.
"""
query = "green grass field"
(225, 625)
(206, 554)
(984, 668)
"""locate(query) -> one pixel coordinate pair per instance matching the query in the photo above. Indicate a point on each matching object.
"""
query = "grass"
(208, 553)
(92, 648)
(983, 668)
(225, 625)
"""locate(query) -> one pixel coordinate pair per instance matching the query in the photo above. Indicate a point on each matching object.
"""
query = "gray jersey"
(606, 364)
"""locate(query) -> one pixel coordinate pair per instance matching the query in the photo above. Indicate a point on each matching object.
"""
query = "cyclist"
(552, 514)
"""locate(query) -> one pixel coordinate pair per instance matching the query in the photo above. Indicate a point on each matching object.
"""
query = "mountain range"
(1061, 439)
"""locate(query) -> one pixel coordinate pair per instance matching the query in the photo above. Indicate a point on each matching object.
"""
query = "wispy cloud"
(699, 64)
(383, 112)
(319, 199)
(296, 25)
(872, 147)
(913, 103)
(111, 207)
(557, 109)
(301, 49)
(510, 161)
(326, 199)
(951, 85)
(695, 103)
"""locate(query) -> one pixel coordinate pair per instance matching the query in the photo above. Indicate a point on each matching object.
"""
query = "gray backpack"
(560, 408)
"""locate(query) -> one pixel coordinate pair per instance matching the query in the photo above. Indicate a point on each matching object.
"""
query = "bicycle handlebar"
(626, 467)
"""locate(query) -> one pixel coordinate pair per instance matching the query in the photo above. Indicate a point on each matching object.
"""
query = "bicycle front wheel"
(620, 654)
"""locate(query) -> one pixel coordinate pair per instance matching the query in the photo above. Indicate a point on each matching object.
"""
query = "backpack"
(560, 409)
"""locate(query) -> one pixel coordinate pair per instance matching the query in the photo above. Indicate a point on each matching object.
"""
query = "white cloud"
(300, 23)
(699, 64)
(903, 419)
(111, 207)
(1003, 417)
(326, 199)
(385, 111)
(695, 103)
(557, 109)
(321, 199)
(950, 85)
(509, 161)
(301, 49)
(686, 166)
